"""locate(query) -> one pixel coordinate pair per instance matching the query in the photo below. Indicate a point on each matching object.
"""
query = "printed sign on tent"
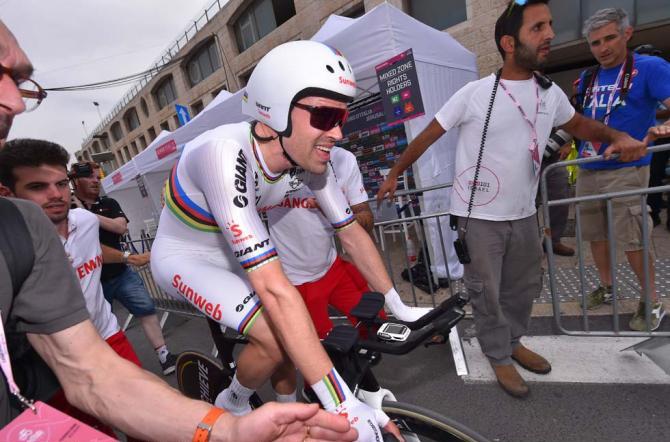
(399, 88)
(166, 149)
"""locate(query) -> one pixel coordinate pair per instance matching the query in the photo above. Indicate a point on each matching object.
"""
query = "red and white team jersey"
(302, 235)
(83, 249)
(210, 230)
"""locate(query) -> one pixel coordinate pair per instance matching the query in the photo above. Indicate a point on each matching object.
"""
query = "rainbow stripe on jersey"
(344, 224)
(185, 208)
(334, 387)
(249, 319)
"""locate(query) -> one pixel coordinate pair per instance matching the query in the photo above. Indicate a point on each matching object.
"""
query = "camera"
(556, 141)
(81, 170)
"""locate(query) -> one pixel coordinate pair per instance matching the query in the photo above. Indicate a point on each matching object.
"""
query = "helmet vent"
(341, 65)
(330, 69)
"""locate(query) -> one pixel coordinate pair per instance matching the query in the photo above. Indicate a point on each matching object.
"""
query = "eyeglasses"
(32, 93)
(323, 117)
(515, 2)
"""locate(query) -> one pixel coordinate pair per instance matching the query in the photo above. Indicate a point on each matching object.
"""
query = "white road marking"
(576, 359)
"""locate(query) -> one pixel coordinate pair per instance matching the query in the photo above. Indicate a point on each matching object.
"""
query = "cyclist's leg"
(205, 280)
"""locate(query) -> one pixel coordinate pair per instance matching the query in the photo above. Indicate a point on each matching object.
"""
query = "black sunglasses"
(323, 117)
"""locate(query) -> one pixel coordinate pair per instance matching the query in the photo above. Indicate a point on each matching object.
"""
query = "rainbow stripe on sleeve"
(186, 209)
(334, 388)
(344, 224)
(257, 261)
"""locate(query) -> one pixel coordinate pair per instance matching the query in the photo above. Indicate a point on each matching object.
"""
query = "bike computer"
(393, 332)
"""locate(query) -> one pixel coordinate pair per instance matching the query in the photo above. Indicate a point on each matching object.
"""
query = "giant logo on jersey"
(258, 246)
(240, 181)
(245, 301)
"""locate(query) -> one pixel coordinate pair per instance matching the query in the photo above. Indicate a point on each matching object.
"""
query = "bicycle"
(200, 376)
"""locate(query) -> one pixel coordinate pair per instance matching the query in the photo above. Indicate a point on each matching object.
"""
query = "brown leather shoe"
(511, 381)
(530, 360)
(562, 250)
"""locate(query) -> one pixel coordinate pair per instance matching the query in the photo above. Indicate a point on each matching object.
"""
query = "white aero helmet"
(290, 72)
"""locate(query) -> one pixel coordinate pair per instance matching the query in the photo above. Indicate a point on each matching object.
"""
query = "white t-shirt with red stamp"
(301, 234)
(507, 182)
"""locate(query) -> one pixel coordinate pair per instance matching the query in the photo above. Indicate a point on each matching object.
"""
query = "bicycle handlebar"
(458, 300)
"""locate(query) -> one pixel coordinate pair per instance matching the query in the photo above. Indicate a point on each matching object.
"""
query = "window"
(133, 148)
(203, 63)
(117, 132)
(96, 147)
(261, 18)
(164, 92)
(216, 91)
(648, 11)
(196, 108)
(142, 142)
(131, 119)
(165, 125)
(439, 14)
(244, 78)
(126, 154)
(152, 133)
(355, 11)
(119, 158)
(145, 108)
(176, 120)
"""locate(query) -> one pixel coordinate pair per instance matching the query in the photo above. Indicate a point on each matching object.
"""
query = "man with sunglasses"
(48, 307)
(504, 123)
(212, 248)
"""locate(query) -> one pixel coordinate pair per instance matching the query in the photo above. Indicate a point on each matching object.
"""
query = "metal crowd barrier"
(168, 304)
(616, 293)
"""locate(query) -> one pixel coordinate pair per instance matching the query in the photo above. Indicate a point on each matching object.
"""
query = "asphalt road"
(565, 412)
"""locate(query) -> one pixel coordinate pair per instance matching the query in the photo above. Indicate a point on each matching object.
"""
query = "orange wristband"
(204, 428)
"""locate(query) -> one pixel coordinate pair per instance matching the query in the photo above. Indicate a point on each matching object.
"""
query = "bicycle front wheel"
(420, 425)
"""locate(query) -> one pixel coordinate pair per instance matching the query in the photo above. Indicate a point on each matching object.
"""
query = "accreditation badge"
(46, 424)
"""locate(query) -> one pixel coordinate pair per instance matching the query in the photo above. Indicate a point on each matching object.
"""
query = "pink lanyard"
(594, 92)
(6, 366)
(533, 147)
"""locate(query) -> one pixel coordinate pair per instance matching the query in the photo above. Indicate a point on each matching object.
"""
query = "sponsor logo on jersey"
(211, 310)
(238, 234)
(244, 302)
(89, 267)
(241, 172)
(297, 203)
(258, 246)
(295, 179)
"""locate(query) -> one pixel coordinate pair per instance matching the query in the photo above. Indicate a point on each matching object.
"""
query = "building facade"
(221, 49)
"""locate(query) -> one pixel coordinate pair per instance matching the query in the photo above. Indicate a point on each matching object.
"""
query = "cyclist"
(212, 248)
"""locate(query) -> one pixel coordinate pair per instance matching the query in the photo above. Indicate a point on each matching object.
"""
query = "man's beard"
(524, 57)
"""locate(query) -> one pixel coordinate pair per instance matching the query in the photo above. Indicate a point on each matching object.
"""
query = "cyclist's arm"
(290, 320)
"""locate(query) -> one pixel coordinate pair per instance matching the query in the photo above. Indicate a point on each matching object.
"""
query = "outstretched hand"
(656, 132)
(290, 423)
(388, 187)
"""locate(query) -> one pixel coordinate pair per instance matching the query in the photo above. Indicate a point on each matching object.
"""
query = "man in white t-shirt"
(39, 174)
(305, 243)
(495, 182)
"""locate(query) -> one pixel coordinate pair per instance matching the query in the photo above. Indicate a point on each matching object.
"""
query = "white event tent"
(443, 66)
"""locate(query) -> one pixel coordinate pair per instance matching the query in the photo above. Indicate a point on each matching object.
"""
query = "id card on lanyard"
(533, 148)
(40, 422)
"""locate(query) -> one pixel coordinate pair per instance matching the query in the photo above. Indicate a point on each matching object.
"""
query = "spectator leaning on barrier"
(623, 92)
(119, 281)
(36, 170)
(497, 168)
(49, 308)
(659, 160)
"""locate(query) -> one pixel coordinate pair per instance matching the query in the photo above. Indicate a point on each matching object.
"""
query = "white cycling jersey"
(82, 247)
(210, 229)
